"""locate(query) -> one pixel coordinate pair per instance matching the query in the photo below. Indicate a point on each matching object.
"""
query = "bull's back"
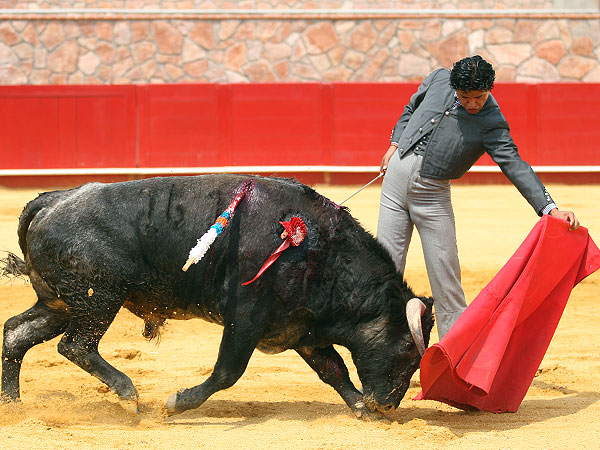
(144, 221)
(137, 235)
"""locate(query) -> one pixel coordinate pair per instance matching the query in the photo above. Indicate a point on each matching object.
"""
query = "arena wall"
(320, 130)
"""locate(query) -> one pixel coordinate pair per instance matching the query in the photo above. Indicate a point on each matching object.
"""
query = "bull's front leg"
(240, 337)
(332, 370)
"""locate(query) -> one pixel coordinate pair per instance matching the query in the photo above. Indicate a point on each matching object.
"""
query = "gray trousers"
(407, 199)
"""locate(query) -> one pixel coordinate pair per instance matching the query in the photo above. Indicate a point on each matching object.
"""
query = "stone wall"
(286, 4)
(206, 43)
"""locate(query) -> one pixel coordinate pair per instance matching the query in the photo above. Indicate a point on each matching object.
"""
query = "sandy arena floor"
(280, 403)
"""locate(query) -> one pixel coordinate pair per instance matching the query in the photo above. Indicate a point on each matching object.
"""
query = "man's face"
(472, 101)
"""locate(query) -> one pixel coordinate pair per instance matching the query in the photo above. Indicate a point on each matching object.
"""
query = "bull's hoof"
(130, 405)
(128, 397)
(171, 405)
(361, 411)
(181, 401)
(7, 399)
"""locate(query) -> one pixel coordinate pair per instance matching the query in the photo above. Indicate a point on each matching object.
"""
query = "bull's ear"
(428, 301)
(427, 320)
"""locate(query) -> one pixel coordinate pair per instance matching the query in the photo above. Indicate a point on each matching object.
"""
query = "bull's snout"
(383, 408)
(389, 408)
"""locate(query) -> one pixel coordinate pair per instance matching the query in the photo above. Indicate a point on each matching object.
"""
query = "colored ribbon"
(207, 239)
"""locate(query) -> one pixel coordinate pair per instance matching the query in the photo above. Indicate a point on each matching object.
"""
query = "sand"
(279, 403)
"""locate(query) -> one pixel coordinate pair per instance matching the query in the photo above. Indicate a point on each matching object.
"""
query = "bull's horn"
(414, 311)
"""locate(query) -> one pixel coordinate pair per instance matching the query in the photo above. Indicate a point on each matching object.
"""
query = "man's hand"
(566, 215)
(386, 158)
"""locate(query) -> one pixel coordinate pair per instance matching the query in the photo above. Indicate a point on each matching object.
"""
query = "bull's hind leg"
(80, 346)
(36, 325)
(332, 370)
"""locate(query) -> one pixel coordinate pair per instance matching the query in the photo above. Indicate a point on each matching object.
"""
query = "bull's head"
(392, 353)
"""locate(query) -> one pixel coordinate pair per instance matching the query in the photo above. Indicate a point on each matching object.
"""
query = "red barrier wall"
(67, 126)
(209, 125)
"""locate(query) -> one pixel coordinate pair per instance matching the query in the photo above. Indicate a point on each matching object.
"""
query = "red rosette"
(296, 230)
(294, 234)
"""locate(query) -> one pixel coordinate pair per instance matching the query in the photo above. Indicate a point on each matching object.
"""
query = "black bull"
(90, 250)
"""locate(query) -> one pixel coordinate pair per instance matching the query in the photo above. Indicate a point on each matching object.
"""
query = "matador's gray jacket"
(458, 139)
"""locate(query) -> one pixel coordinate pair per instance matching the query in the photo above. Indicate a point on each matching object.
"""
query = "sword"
(369, 183)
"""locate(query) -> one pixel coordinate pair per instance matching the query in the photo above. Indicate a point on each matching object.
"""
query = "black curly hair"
(472, 73)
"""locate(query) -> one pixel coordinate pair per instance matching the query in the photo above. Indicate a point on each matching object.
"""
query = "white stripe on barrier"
(256, 169)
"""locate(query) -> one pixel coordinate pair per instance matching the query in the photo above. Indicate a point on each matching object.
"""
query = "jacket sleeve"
(498, 143)
(413, 104)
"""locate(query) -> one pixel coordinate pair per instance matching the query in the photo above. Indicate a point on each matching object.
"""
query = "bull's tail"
(29, 212)
(12, 266)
